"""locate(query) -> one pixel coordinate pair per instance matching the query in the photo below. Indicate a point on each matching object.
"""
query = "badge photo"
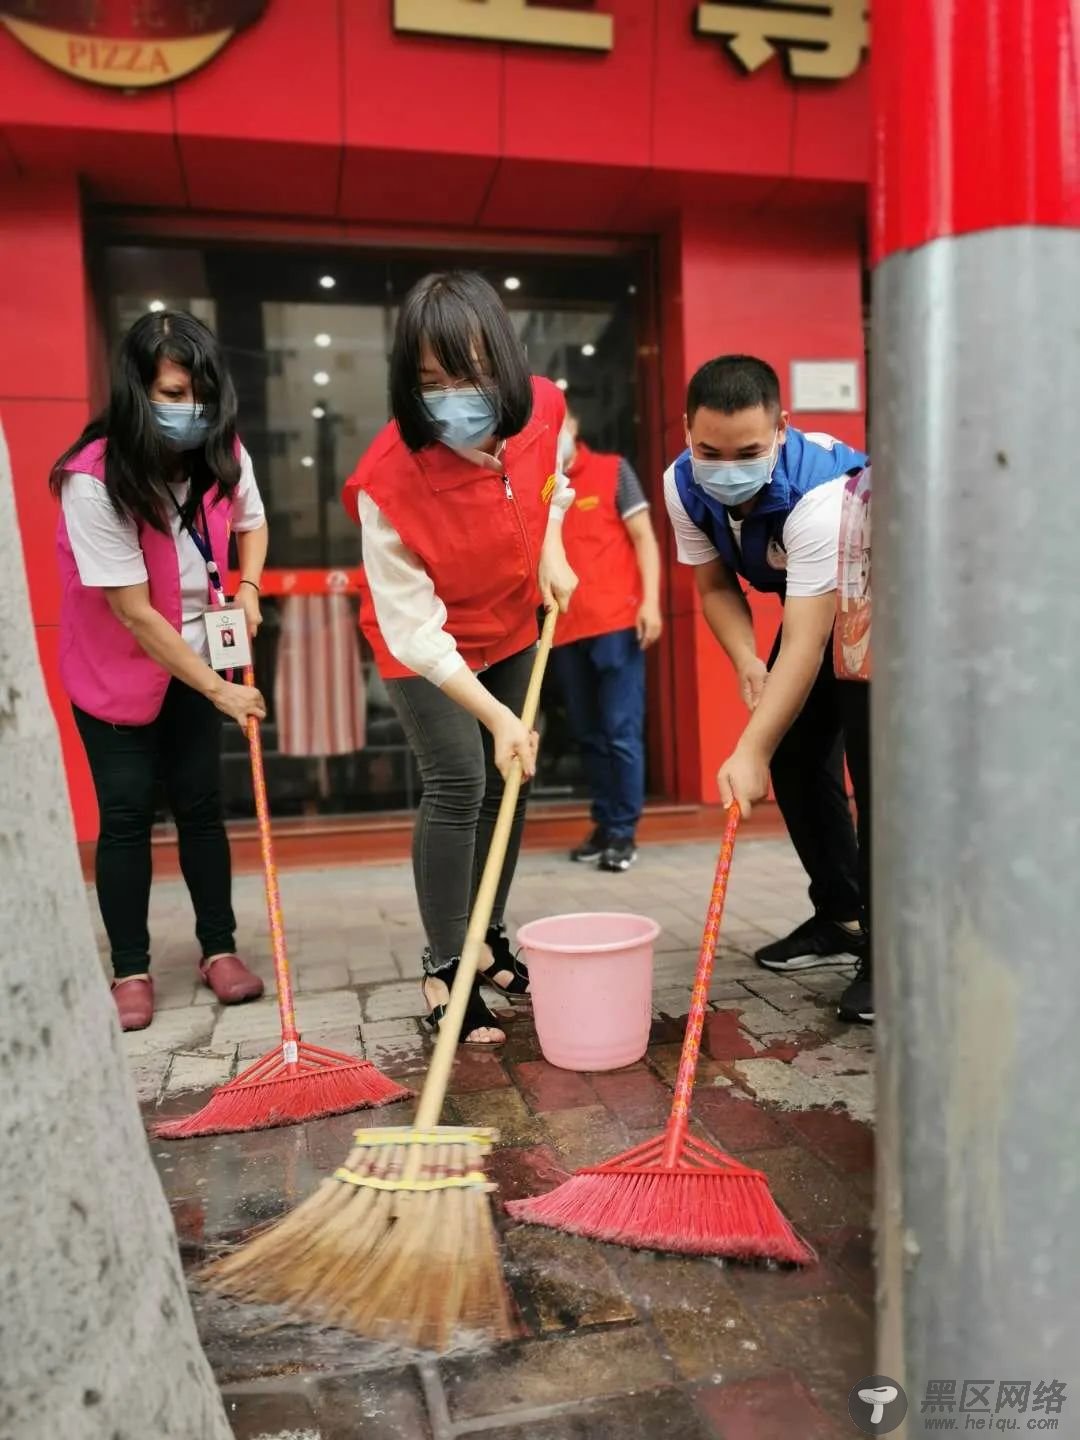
(226, 632)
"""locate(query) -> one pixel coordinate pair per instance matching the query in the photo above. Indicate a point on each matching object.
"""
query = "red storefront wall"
(320, 115)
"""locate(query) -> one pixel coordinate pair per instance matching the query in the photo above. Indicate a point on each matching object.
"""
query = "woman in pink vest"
(462, 515)
(149, 493)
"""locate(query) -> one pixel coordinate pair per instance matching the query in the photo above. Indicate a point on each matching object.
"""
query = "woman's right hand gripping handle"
(511, 738)
(239, 702)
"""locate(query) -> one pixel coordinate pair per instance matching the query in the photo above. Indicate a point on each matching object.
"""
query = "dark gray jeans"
(462, 790)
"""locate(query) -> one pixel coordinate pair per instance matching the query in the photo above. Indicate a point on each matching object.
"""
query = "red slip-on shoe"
(134, 997)
(230, 979)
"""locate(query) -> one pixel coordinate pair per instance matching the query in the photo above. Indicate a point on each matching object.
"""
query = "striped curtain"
(319, 699)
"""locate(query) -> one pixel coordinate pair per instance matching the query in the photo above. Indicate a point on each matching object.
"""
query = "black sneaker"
(815, 942)
(619, 855)
(856, 1004)
(592, 849)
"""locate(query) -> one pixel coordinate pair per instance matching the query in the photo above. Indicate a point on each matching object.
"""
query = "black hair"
(452, 312)
(138, 462)
(731, 383)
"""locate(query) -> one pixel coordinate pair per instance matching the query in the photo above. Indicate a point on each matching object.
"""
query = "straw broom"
(676, 1192)
(295, 1081)
(399, 1243)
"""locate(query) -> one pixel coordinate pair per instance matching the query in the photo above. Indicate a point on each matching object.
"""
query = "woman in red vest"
(149, 493)
(462, 513)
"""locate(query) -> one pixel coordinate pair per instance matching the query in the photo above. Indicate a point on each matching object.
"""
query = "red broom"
(676, 1192)
(294, 1081)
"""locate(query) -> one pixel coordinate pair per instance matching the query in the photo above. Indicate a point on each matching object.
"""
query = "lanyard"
(201, 541)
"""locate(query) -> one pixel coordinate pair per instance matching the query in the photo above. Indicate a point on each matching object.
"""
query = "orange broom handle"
(679, 1120)
(290, 1038)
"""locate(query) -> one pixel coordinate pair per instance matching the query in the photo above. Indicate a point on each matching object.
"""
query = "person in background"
(148, 495)
(599, 659)
(462, 515)
(754, 498)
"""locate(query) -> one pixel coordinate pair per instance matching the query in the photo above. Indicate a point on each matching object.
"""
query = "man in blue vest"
(753, 497)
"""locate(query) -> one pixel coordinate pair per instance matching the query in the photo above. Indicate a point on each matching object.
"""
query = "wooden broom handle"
(442, 1061)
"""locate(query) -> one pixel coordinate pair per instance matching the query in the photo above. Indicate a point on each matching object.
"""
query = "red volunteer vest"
(600, 552)
(477, 533)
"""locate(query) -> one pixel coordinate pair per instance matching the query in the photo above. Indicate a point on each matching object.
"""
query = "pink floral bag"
(851, 636)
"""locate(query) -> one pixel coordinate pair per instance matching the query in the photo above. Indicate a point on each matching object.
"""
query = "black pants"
(181, 751)
(808, 780)
(462, 791)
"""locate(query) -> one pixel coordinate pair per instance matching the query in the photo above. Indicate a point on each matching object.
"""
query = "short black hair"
(451, 311)
(731, 383)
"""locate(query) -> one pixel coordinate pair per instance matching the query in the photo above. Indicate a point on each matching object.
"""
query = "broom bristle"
(707, 1203)
(270, 1093)
(685, 1213)
(416, 1262)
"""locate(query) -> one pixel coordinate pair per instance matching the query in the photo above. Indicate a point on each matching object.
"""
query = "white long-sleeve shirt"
(411, 616)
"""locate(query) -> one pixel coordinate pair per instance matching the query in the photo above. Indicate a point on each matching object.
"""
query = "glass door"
(307, 336)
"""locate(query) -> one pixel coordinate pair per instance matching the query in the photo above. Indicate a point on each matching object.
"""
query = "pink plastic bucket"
(591, 982)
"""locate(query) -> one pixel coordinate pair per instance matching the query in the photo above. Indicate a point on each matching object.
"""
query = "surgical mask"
(734, 482)
(466, 415)
(566, 448)
(185, 427)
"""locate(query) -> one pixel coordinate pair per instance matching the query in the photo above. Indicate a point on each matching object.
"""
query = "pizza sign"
(129, 44)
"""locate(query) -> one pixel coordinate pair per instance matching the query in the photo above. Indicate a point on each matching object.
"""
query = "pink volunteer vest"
(103, 668)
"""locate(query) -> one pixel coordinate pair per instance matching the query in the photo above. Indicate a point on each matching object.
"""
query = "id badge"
(227, 634)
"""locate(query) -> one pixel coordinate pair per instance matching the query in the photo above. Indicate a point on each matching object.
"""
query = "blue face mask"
(734, 482)
(185, 427)
(466, 415)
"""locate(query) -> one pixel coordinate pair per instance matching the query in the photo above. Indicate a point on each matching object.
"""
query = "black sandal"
(477, 1014)
(503, 958)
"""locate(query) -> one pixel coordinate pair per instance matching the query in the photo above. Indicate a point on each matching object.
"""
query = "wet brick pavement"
(612, 1343)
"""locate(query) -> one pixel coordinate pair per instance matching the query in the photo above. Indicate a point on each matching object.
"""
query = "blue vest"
(803, 464)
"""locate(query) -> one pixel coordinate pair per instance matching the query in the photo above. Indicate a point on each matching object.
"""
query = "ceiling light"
(327, 282)
(318, 412)
(322, 340)
(588, 350)
(306, 461)
(157, 306)
(511, 283)
(321, 377)
(562, 384)
(631, 289)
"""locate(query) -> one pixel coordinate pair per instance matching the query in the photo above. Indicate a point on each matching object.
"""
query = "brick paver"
(612, 1343)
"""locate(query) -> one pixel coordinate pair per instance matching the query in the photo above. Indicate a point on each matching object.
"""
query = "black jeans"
(180, 751)
(462, 791)
(808, 780)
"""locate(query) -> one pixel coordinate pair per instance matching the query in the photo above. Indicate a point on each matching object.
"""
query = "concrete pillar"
(976, 585)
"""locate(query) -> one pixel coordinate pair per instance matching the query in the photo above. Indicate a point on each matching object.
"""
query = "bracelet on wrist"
(252, 584)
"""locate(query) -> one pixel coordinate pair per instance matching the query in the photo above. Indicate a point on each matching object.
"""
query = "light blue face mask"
(734, 482)
(466, 415)
(185, 427)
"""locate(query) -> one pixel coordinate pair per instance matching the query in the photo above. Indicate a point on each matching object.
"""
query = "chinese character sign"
(507, 20)
(819, 39)
(978, 1401)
